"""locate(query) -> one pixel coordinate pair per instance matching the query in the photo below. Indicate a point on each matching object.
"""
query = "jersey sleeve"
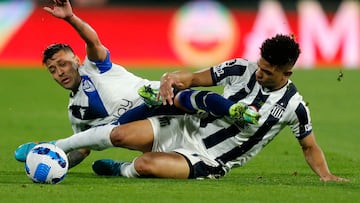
(301, 125)
(102, 65)
(230, 72)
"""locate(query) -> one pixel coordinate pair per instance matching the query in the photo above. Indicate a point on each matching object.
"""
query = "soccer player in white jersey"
(101, 91)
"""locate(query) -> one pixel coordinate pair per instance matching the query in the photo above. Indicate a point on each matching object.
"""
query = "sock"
(208, 101)
(96, 138)
(75, 157)
(128, 170)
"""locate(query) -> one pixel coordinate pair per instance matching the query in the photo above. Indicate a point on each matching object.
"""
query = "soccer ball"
(46, 163)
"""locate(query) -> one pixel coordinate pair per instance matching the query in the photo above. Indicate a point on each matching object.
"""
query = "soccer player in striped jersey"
(100, 91)
(191, 146)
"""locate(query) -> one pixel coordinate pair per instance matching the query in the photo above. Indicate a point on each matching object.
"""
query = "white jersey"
(106, 91)
(220, 141)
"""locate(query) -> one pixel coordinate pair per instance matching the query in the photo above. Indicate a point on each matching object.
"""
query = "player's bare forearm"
(86, 32)
(94, 48)
(314, 156)
(62, 9)
(182, 80)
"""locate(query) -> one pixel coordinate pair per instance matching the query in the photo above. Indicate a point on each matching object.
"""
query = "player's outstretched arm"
(62, 9)
(316, 159)
(182, 80)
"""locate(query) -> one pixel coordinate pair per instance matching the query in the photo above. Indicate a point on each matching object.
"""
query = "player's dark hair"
(281, 51)
(53, 49)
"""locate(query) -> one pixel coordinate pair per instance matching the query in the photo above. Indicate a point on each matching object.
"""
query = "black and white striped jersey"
(233, 144)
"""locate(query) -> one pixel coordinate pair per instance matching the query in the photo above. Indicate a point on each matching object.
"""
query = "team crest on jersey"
(88, 86)
(277, 111)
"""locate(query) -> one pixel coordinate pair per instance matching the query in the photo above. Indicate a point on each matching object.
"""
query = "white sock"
(96, 138)
(128, 170)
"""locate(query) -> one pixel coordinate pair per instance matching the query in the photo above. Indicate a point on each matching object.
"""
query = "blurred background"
(181, 33)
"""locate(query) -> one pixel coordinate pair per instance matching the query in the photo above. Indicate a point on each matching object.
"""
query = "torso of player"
(103, 96)
(235, 143)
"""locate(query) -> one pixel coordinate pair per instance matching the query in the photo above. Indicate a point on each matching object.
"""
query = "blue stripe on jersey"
(104, 65)
(261, 132)
(95, 108)
(244, 91)
(304, 128)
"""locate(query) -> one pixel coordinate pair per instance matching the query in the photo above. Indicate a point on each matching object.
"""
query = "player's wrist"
(68, 18)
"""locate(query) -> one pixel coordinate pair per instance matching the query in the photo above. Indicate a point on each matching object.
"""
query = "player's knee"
(117, 136)
(145, 165)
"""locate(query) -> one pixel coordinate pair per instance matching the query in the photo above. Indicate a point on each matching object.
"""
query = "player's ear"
(77, 60)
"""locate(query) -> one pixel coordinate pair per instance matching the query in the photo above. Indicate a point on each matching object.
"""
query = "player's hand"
(167, 83)
(60, 9)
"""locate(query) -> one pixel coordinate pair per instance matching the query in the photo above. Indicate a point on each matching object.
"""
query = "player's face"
(271, 77)
(63, 68)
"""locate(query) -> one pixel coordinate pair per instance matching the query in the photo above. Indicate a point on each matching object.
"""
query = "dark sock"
(210, 102)
(75, 157)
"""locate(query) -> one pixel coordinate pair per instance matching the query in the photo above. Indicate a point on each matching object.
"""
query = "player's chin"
(261, 82)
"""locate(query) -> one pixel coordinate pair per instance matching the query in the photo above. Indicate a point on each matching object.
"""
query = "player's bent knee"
(144, 165)
(117, 136)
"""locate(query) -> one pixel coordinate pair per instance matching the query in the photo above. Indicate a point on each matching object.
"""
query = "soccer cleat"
(149, 95)
(251, 115)
(107, 167)
(243, 113)
(23, 150)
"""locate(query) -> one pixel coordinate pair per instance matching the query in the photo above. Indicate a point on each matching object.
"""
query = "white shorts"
(180, 134)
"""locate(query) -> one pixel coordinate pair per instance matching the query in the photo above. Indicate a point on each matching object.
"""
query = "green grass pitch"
(33, 107)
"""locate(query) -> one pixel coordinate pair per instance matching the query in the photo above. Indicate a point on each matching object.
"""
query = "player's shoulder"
(236, 64)
(295, 97)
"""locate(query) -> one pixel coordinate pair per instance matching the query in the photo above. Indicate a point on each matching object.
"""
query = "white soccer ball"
(46, 163)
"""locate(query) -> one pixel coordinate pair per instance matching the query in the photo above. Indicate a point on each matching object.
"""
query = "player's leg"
(149, 164)
(74, 157)
(143, 111)
(215, 104)
(96, 138)
(130, 135)
(194, 100)
(162, 165)
(137, 135)
(77, 156)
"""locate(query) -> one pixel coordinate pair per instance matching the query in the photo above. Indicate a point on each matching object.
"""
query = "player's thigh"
(137, 135)
(162, 165)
